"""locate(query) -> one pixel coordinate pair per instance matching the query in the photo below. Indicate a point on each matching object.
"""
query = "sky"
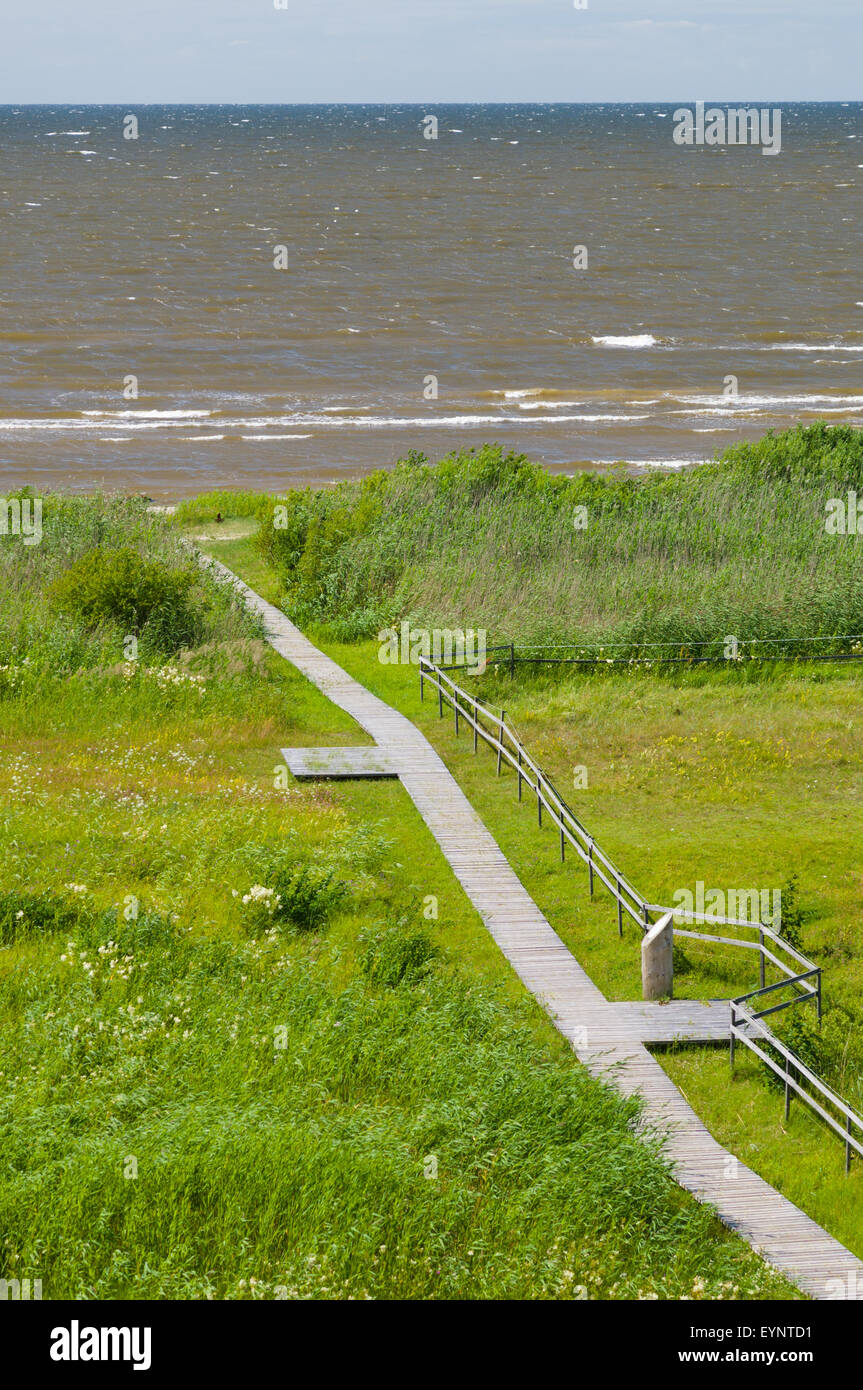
(92, 51)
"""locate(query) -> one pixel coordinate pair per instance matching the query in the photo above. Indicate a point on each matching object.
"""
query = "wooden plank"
(340, 762)
(679, 1020)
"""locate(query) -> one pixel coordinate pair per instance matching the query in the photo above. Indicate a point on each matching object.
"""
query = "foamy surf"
(147, 414)
(584, 419)
(811, 347)
(636, 340)
(736, 407)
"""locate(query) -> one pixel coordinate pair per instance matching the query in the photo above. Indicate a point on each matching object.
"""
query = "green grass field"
(339, 1097)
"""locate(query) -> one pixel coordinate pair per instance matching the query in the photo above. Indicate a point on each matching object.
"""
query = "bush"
(792, 914)
(308, 896)
(68, 604)
(122, 588)
(399, 956)
(301, 897)
(284, 527)
(808, 454)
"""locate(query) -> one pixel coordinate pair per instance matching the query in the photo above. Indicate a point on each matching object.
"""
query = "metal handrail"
(807, 984)
(793, 1065)
(765, 933)
(510, 749)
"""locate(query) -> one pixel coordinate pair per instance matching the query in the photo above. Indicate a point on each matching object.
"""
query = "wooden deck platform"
(609, 1038)
(681, 1020)
(339, 762)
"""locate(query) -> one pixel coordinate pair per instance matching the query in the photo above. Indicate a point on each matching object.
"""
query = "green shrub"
(285, 525)
(303, 897)
(807, 454)
(791, 927)
(120, 587)
(308, 896)
(399, 956)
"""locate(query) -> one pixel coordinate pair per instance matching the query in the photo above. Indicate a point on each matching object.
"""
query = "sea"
(270, 296)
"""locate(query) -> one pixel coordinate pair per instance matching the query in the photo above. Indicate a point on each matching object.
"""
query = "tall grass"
(229, 503)
(486, 539)
(190, 1117)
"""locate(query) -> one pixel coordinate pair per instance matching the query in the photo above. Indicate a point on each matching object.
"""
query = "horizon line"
(606, 101)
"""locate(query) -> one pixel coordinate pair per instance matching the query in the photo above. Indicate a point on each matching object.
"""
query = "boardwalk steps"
(609, 1038)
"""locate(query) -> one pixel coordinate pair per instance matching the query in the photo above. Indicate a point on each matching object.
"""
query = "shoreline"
(163, 498)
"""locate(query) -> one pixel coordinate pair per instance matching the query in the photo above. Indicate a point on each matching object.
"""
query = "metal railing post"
(511, 659)
(619, 908)
(847, 1145)
(475, 727)
(500, 740)
(439, 699)
(733, 1026)
(422, 686)
(519, 772)
(562, 847)
(539, 800)
(455, 711)
(590, 866)
(761, 957)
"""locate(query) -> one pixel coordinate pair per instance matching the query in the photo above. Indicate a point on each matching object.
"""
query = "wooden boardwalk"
(609, 1038)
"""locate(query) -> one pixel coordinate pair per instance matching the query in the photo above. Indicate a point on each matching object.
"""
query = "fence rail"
(805, 984)
(848, 647)
(794, 1073)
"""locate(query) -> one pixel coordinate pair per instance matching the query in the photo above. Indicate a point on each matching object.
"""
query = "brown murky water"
(410, 259)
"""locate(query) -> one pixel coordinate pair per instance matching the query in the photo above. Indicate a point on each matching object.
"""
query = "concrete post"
(657, 960)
